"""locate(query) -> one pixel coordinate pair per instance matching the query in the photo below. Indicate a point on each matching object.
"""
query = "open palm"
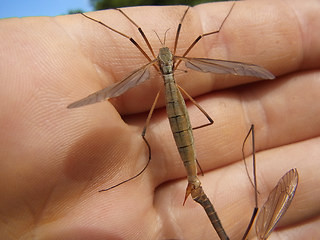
(54, 160)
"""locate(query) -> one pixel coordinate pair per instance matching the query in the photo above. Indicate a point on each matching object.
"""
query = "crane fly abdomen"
(178, 114)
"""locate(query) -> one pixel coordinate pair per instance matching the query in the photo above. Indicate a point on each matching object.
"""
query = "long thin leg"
(146, 142)
(178, 31)
(140, 30)
(254, 183)
(199, 107)
(135, 176)
(126, 36)
(201, 36)
(253, 217)
(200, 168)
(150, 114)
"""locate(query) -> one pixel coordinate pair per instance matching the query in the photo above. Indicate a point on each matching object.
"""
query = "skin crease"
(54, 160)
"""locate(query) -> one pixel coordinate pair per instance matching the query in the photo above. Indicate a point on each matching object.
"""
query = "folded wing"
(277, 204)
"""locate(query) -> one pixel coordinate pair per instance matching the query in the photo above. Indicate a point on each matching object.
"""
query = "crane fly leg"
(178, 31)
(140, 31)
(254, 182)
(128, 37)
(200, 108)
(146, 142)
(150, 114)
(201, 36)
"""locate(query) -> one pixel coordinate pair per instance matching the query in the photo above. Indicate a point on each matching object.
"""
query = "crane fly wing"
(277, 204)
(116, 89)
(223, 66)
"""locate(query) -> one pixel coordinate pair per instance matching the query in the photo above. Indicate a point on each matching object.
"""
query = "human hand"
(54, 160)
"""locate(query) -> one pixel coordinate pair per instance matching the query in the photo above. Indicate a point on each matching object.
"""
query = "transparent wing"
(116, 89)
(277, 204)
(223, 66)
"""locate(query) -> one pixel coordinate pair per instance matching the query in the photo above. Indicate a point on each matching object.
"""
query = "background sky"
(26, 8)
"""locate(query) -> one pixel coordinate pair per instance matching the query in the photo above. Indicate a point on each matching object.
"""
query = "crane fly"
(166, 63)
(278, 200)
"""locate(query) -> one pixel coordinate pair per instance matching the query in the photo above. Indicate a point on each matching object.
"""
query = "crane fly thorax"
(165, 59)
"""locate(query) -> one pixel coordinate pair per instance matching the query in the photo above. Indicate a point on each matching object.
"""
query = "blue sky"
(26, 8)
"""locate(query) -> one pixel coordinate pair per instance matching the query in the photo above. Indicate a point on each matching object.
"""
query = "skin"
(54, 160)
